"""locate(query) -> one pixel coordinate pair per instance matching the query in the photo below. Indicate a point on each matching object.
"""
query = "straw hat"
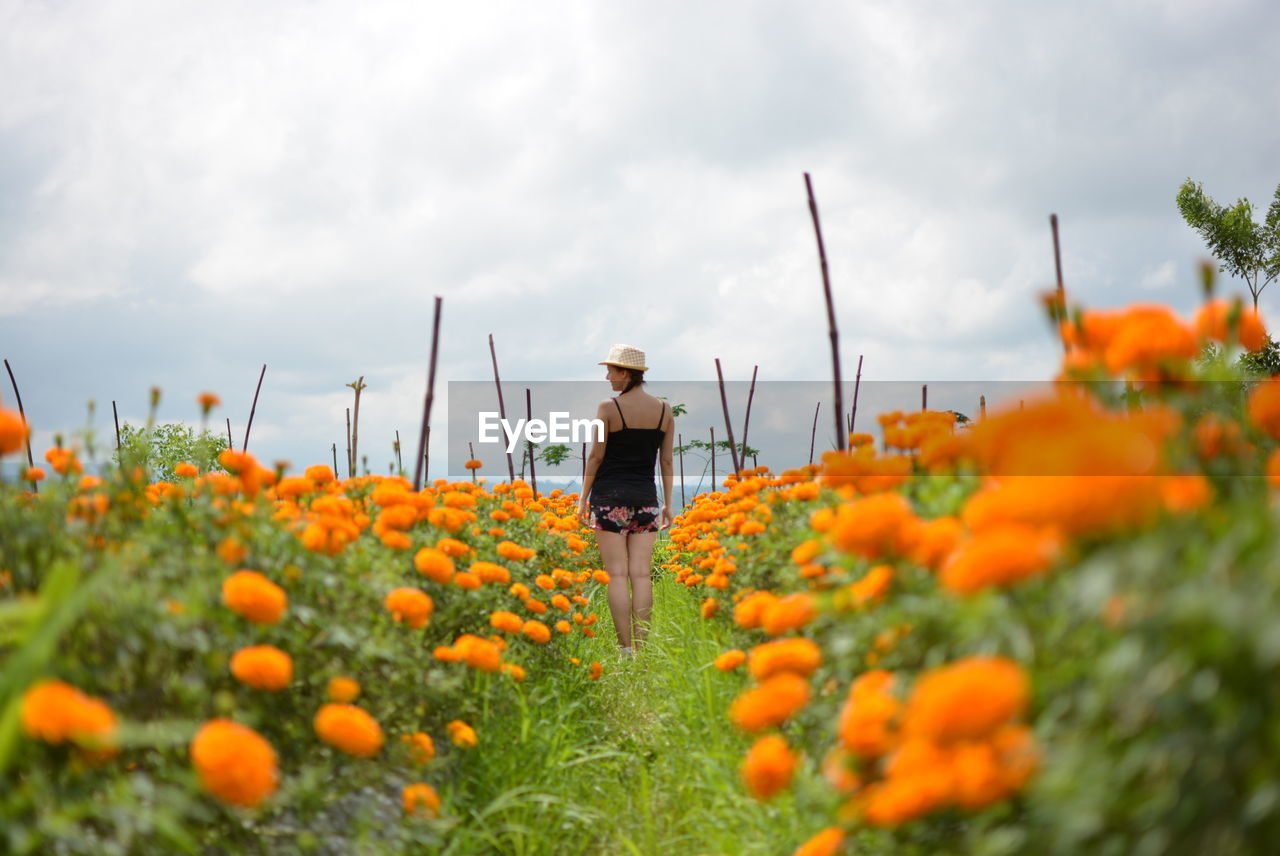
(625, 356)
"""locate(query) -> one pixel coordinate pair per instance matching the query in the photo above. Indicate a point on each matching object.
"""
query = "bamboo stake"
(426, 407)
(1062, 289)
(355, 418)
(713, 457)
(22, 414)
(857, 382)
(335, 460)
(471, 450)
(982, 407)
(680, 446)
(502, 411)
(253, 409)
(232, 446)
(533, 477)
(746, 421)
(399, 459)
(115, 414)
(813, 434)
(924, 397)
(728, 426)
(351, 464)
(841, 438)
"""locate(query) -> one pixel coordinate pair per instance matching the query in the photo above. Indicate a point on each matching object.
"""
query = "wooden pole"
(502, 411)
(857, 382)
(713, 457)
(355, 419)
(1058, 315)
(351, 464)
(813, 434)
(232, 446)
(115, 414)
(680, 446)
(426, 407)
(533, 477)
(471, 450)
(399, 459)
(982, 407)
(924, 397)
(746, 421)
(253, 409)
(728, 425)
(841, 438)
(22, 414)
(335, 460)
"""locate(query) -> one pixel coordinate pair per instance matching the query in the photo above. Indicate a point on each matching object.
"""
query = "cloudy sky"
(190, 190)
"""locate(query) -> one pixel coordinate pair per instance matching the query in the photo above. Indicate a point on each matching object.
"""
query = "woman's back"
(626, 475)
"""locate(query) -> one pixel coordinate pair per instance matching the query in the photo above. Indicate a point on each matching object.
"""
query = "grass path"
(643, 761)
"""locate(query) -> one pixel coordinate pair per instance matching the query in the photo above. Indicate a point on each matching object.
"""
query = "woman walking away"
(619, 500)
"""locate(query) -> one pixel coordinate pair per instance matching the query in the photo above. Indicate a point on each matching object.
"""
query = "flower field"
(1055, 630)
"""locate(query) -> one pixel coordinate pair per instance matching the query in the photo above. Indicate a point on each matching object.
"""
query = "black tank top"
(625, 476)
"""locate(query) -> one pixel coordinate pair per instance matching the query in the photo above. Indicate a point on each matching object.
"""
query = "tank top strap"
(663, 417)
(620, 416)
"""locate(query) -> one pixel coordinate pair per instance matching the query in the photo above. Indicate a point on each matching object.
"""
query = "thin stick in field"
(253, 409)
(471, 451)
(502, 410)
(399, 460)
(813, 434)
(713, 457)
(22, 414)
(728, 425)
(426, 407)
(231, 443)
(358, 386)
(857, 382)
(746, 420)
(1062, 289)
(115, 414)
(924, 397)
(351, 464)
(533, 477)
(680, 447)
(831, 316)
(335, 460)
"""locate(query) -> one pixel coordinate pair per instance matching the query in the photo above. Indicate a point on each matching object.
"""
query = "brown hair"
(637, 378)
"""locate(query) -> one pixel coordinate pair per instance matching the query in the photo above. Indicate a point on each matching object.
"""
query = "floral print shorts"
(625, 519)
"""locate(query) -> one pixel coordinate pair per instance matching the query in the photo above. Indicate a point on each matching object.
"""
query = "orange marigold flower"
(478, 653)
(1264, 407)
(937, 538)
(514, 552)
(434, 564)
(750, 611)
(63, 461)
(869, 715)
(1214, 321)
(13, 432)
(788, 613)
(55, 711)
(420, 798)
(709, 607)
(474, 464)
(516, 672)
(596, 671)
(421, 747)
(799, 656)
(234, 763)
(871, 588)
(467, 581)
(998, 556)
(1186, 493)
(349, 728)
(33, 474)
(185, 470)
(452, 547)
(319, 473)
(537, 631)
(600, 576)
(545, 582)
(507, 622)
(875, 526)
(208, 401)
(768, 767)
(561, 602)
(410, 605)
(342, 689)
(253, 596)
(535, 606)
(489, 572)
(825, 843)
(461, 734)
(771, 703)
(730, 660)
(263, 667)
(563, 626)
(966, 700)
(806, 551)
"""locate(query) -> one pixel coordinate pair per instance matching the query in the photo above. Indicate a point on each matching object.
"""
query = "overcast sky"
(190, 190)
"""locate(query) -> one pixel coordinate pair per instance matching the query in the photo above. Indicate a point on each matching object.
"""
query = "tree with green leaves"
(1245, 248)
(168, 445)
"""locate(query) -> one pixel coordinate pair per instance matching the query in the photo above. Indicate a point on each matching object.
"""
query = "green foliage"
(1264, 362)
(163, 447)
(553, 455)
(1246, 249)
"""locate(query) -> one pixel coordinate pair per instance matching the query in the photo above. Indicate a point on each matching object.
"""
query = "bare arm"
(668, 475)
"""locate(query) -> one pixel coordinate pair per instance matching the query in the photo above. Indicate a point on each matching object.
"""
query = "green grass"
(643, 761)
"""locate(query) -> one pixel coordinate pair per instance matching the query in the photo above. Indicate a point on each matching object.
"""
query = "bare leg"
(613, 550)
(639, 562)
